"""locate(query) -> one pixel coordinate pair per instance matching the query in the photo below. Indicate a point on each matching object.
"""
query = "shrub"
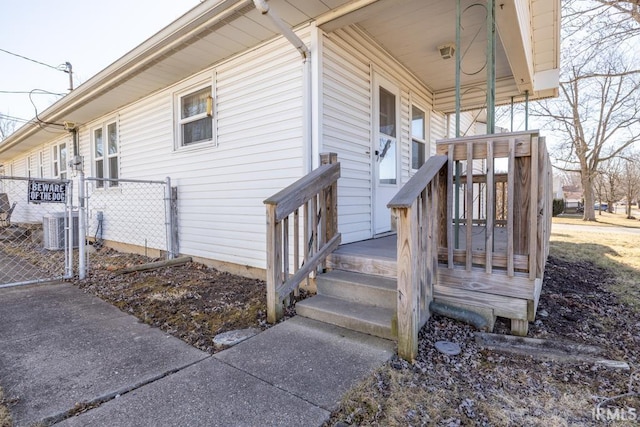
(558, 206)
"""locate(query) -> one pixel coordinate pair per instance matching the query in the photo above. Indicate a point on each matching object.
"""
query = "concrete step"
(364, 318)
(357, 287)
(366, 264)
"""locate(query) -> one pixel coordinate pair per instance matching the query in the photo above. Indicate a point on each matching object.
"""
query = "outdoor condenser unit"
(55, 235)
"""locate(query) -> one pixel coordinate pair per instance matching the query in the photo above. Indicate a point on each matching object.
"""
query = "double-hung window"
(105, 154)
(59, 159)
(195, 116)
(418, 137)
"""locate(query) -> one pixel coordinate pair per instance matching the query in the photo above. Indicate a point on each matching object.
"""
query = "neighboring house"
(225, 105)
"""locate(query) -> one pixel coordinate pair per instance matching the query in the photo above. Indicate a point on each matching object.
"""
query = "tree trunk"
(587, 189)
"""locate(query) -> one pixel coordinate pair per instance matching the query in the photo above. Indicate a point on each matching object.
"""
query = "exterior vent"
(54, 232)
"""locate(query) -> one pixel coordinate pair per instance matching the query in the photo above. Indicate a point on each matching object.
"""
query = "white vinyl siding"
(468, 125)
(349, 59)
(438, 126)
(258, 127)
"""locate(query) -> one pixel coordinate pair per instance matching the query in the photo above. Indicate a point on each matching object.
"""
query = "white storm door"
(385, 151)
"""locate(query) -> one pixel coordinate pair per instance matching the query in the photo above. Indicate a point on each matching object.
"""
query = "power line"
(41, 92)
(16, 119)
(37, 62)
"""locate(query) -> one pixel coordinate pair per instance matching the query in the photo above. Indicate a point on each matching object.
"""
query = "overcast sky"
(89, 34)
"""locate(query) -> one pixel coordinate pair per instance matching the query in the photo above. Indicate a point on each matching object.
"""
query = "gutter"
(132, 63)
(292, 37)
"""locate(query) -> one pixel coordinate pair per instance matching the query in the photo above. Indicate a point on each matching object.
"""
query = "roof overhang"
(528, 53)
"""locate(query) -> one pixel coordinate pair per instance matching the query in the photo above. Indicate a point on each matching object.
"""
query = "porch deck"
(513, 297)
(387, 246)
(469, 236)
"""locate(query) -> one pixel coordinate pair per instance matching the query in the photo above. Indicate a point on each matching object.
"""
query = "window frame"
(41, 164)
(58, 170)
(418, 140)
(178, 121)
(107, 156)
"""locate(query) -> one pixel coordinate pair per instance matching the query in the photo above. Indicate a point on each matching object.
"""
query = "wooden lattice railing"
(474, 220)
(518, 202)
(287, 267)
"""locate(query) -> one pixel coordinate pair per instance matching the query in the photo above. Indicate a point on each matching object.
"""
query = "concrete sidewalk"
(61, 349)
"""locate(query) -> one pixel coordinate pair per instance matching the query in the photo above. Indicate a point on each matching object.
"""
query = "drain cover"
(447, 347)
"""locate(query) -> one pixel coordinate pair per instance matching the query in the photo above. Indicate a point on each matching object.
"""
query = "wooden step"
(363, 318)
(374, 265)
(368, 289)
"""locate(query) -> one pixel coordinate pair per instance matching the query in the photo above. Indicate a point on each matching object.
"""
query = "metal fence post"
(82, 227)
(169, 218)
(68, 266)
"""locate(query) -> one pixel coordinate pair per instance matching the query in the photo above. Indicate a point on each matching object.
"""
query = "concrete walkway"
(62, 350)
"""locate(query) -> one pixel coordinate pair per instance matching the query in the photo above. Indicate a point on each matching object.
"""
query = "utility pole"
(69, 70)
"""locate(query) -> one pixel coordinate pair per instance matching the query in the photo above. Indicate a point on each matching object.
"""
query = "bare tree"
(625, 7)
(630, 181)
(596, 115)
(607, 183)
(7, 126)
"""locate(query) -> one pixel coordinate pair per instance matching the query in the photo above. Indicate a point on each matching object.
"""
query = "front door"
(385, 151)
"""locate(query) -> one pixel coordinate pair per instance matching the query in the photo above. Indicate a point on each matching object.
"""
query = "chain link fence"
(122, 222)
(125, 219)
(36, 220)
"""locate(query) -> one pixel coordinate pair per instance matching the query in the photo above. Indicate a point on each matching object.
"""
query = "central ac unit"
(55, 235)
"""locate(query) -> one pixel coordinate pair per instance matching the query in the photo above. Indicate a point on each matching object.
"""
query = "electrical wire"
(40, 92)
(15, 119)
(38, 62)
(41, 122)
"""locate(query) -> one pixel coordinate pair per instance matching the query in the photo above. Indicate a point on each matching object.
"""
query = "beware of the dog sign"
(47, 192)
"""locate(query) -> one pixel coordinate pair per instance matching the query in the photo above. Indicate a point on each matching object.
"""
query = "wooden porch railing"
(317, 194)
(456, 196)
(518, 201)
(417, 213)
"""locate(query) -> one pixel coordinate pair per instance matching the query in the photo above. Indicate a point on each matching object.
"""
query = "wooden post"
(285, 256)
(330, 202)
(408, 297)
(274, 266)
(491, 204)
(533, 209)
(296, 246)
(510, 206)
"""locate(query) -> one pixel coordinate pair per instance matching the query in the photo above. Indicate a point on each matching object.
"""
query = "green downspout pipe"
(456, 215)
(491, 66)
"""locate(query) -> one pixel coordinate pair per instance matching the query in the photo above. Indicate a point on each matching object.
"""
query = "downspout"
(287, 32)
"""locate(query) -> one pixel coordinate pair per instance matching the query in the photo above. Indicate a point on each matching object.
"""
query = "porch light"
(447, 50)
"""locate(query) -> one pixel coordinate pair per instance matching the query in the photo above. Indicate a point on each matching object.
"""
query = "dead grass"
(614, 250)
(5, 415)
(605, 219)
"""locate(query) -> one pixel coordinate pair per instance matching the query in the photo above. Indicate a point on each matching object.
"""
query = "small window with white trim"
(41, 164)
(59, 159)
(195, 116)
(105, 154)
(418, 137)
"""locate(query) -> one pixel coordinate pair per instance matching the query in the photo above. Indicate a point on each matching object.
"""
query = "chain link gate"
(38, 230)
(132, 217)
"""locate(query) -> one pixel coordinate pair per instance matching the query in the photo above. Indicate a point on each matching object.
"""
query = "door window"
(386, 153)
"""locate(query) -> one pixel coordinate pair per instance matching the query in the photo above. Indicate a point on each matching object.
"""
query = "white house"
(234, 107)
